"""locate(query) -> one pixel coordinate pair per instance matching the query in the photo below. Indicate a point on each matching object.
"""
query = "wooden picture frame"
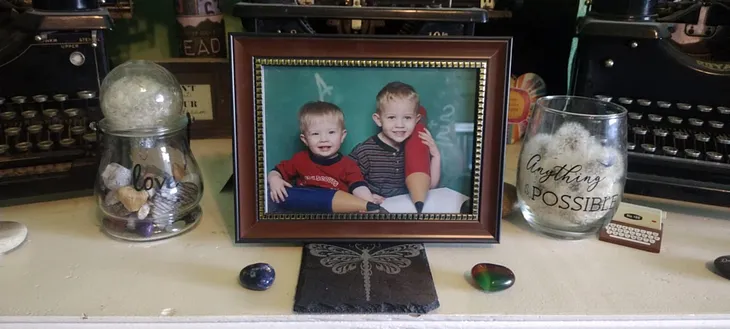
(268, 69)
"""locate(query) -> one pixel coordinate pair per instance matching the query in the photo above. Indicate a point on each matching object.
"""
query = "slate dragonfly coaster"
(365, 278)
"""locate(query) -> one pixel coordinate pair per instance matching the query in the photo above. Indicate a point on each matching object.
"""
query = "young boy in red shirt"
(324, 180)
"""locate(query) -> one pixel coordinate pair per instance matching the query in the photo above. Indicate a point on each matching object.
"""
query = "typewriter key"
(714, 156)
(90, 137)
(2, 100)
(60, 97)
(40, 98)
(696, 122)
(78, 130)
(723, 110)
(684, 106)
(655, 118)
(18, 99)
(640, 130)
(675, 120)
(86, 94)
(722, 139)
(72, 112)
(702, 137)
(50, 113)
(670, 150)
(34, 129)
(681, 135)
(23, 146)
(4, 148)
(12, 131)
(635, 116)
(650, 148)
(704, 108)
(716, 124)
(11, 135)
(67, 142)
(639, 133)
(56, 127)
(625, 101)
(30, 114)
(660, 132)
(663, 104)
(643, 102)
(599, 97)
(630, 146)
(692, 153)
(7, 116)
(45, 145)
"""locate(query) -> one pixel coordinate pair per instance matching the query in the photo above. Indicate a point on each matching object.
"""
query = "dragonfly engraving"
(343, 260)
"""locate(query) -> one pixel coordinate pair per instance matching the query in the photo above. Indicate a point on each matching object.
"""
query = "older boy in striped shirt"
(394, 162)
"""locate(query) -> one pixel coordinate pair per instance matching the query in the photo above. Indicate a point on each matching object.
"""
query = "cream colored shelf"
(70, 275)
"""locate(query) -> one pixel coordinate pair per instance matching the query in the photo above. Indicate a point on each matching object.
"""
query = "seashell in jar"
(131, 198)
(115, 176)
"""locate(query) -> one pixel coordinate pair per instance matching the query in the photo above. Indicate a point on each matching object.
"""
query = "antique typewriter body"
(390, 17)
(542, 30)
(52, 60)
(668, 63)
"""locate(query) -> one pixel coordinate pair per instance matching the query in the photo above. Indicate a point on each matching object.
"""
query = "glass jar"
(572, 165)
(149, 185)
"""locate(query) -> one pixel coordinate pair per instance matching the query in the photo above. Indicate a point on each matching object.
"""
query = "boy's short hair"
(396, 90)
(319, 109)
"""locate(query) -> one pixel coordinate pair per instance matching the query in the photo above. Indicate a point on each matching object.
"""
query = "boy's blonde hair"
(396, 90)
(319, 109)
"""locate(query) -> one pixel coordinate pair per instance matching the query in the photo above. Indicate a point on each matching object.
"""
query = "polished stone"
(258, 276)
(145, 228)
(722, 265)
(12, 235)
(492, 277)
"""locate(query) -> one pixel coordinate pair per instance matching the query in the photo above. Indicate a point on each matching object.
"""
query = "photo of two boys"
(395, 170)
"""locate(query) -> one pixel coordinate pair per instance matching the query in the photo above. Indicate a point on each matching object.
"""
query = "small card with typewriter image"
(635, 226)
(368, 140)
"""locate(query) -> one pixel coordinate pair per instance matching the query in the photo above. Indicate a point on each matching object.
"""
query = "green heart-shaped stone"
(492, 277)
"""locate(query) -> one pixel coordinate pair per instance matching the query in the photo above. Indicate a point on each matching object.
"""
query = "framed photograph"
(206, 94)
(356, 138)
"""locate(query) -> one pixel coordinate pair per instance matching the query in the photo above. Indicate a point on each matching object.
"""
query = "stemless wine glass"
(572, 166)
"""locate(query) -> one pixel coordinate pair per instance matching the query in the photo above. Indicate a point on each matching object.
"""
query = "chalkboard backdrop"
(448, 95)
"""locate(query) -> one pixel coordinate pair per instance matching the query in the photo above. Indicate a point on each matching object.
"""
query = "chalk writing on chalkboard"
(446, 140)
(446, 121)
(324, 89)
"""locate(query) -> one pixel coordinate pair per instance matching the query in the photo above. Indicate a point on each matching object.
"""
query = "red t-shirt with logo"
(340, 173)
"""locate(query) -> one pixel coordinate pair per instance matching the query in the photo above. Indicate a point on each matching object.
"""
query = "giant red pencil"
(346, 202)
(418, 164)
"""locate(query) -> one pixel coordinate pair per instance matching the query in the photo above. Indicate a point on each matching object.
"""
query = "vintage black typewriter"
(668, 63)
(542, 30)
(412, 17)
(52, 60)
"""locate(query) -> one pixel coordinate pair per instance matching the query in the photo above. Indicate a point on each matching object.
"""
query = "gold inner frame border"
(481, 90)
